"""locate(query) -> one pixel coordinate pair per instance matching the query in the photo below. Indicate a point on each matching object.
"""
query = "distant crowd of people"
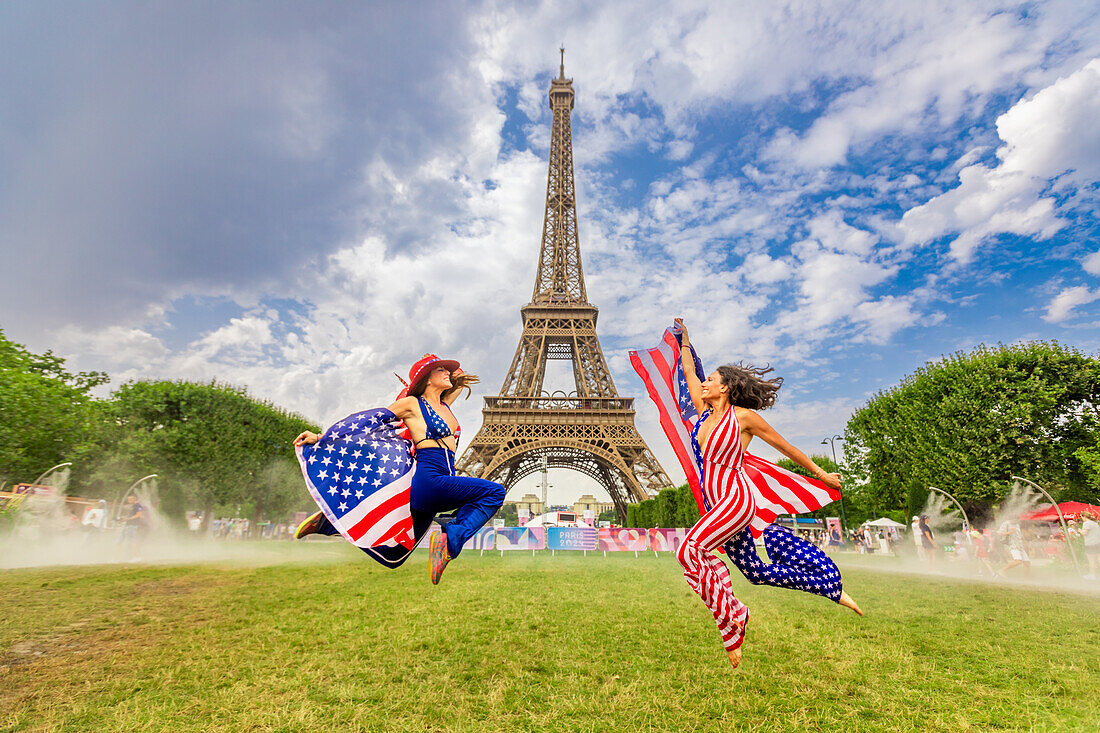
(1007, 549)
(239, 528)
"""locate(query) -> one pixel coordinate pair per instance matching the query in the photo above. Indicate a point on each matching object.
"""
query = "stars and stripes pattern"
(795, 563)
(775, 490)
(360, 473)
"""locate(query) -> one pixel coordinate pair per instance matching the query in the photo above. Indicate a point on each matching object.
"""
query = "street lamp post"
(832, 446)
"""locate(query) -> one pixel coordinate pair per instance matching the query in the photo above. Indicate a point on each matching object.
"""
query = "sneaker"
(309, 526)
(438, 555)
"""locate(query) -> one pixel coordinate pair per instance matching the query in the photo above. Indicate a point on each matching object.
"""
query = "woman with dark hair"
(424, 408)
(727, 401)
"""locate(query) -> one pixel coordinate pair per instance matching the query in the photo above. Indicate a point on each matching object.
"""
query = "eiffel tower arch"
(589, 429)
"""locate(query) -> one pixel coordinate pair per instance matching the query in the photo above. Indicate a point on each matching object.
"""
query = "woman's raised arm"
(695, 387)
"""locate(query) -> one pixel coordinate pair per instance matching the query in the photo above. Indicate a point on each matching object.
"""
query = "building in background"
(589, 503)
(530, 502)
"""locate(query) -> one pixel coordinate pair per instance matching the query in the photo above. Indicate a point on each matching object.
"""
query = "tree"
(968, 422)
(47, 414)
(670, 508)
(509, 513)
(212, 444)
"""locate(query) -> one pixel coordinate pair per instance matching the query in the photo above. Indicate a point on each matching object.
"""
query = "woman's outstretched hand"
(306, 438)
(683, 330)
(832, 480)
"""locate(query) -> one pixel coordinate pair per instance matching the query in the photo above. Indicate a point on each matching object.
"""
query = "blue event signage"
(571, 538)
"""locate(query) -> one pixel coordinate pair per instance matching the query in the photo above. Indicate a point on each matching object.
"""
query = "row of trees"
(212, 446)
(670, 508)
(969, 422)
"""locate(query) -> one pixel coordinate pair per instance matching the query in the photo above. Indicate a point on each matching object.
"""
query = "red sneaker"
(438, 555)
(309, 526)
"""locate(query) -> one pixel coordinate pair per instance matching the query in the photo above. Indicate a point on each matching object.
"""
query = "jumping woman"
(727, 401)
(390, 525)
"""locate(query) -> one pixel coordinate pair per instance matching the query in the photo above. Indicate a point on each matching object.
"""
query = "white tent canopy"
(883, 522)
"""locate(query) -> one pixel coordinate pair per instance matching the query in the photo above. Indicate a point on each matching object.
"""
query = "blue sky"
(304, 198)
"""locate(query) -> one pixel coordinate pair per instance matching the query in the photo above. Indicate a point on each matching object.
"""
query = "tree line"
(969, 422)
(212, 446)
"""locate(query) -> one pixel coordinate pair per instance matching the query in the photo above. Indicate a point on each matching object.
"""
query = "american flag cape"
(360, 473)
(776, 490)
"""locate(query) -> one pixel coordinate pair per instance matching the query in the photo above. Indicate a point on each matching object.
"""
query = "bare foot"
(735, 656)
(847, 601)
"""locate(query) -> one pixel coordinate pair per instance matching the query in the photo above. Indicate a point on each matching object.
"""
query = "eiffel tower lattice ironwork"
(590, 430)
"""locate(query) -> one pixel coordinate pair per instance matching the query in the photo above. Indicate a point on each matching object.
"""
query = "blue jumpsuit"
(436, 489)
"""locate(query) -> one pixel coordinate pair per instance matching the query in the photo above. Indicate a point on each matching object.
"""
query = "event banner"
(571, 538)
(483, 539)
(666, 540)
(521, 538)
(620, 540)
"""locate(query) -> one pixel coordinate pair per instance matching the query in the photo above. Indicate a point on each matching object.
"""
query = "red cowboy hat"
(425, 366)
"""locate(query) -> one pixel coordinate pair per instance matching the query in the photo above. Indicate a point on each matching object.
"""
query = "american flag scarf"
(360, 473)
(776, 490)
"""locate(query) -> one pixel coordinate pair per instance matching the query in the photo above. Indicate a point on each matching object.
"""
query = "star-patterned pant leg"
(796, 564)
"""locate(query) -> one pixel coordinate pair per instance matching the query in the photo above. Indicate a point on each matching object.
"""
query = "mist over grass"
(518, 642)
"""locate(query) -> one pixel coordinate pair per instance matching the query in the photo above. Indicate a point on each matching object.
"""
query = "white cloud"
(1091, 263)
(1049, 139)
(110, 348)
(242, 338)
(1063, 304)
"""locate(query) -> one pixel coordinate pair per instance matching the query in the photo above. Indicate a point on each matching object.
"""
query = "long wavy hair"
(748, 387)
(461, 381)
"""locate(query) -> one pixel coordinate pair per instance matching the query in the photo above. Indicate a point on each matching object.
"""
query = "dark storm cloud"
(152, 150)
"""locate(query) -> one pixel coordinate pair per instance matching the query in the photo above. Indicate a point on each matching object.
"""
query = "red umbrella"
(1070, 510)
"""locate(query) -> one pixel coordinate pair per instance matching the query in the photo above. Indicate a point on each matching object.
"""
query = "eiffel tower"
(591, 429)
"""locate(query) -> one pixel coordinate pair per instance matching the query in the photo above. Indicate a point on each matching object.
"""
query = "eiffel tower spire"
(591, 429)
(560, 278)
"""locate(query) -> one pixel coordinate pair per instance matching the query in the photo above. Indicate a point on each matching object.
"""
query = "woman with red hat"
(424, 407)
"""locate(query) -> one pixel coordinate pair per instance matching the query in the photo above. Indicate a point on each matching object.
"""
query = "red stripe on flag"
(363, 525)
(404, 527)
(674, 431)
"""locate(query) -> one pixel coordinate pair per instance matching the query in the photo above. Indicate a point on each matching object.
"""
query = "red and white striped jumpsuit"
(726, 488)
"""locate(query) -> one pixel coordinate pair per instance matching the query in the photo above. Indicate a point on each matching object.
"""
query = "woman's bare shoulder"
(744, 413)
(403, 405)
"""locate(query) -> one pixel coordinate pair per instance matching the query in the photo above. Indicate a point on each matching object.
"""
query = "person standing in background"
(928, 541)
(95, 519)
(916, 537)
(1091, 530)
(1014, 538)
(135, 526)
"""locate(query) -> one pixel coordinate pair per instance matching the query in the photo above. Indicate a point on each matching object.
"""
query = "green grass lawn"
(565, 643)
